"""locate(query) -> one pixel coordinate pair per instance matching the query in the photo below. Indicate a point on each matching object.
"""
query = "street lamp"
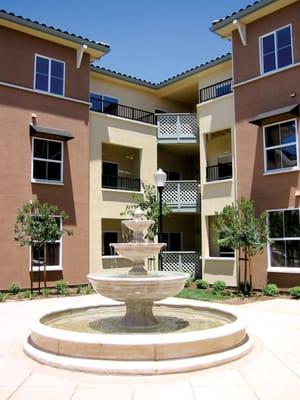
(160, 178)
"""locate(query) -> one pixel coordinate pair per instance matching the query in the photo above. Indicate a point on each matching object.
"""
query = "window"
(49, 75)
(173, 240)
(105, 104)
(276, 49)
(47, 161)
(52, 254)
(109, 237)
(281, 149)
(284, 234)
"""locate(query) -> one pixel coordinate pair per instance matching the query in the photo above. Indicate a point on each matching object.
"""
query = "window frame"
(49, 267)
(49, 75)
(46, 181)
(270, 268)
(260, 41)
(280, 170)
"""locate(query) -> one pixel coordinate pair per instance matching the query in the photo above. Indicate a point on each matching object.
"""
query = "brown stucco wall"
(16, 107)
(246, 58)
(19, 49)
(272, 92)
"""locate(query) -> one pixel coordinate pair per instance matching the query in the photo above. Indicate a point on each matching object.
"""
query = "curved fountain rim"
(36, 326)
(170, 276)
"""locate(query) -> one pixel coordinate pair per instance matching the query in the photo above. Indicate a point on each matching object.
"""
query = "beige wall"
(105, 203)
(189, 225)
(127, 158)
(217, 146)
(134, 95)
(188, 166)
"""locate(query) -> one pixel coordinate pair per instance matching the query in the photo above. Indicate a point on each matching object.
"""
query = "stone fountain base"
(140, 354)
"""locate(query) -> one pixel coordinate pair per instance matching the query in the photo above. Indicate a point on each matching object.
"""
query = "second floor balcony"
(177, 128)
(219, 172)
(120, 110)
(182, 196)
(121, 183)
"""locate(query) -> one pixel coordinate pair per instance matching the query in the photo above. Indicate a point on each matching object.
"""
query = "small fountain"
(128, 337)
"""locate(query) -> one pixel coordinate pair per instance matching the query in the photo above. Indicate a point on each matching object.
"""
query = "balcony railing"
(121, 183)
(217, 90)
(120, 110)
(184, 261)
(181, 196)
(219, 172)
(174, 128)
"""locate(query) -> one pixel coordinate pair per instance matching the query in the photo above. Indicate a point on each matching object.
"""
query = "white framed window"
(52, 254)
(284, 240)
(281, 147)
(47, 161)
(103, 103)
(49, 75)
(276, 49)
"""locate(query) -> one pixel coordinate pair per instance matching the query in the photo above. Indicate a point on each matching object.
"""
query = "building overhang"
(283, 112)
(225, 26)
(49, 133)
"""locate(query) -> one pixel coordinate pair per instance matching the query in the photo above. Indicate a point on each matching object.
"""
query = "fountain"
(127, 337)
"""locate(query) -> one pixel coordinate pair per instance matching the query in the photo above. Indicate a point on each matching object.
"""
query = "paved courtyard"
(271, 371)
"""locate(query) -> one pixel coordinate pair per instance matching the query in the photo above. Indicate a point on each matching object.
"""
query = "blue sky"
(149, 39)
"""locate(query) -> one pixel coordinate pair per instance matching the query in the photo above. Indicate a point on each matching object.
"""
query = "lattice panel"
(188, 125)
(181, 193)
(184, 262)
(167, 125)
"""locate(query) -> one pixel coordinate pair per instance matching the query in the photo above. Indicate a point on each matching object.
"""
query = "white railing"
(184, 261)
(174, 128)
(181, 195)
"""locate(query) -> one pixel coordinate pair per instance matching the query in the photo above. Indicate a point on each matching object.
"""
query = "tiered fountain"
(128, 338)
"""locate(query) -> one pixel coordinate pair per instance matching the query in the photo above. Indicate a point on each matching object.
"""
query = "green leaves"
(37, 224)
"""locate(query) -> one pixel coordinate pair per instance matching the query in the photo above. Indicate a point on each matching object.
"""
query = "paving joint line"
(19, 386)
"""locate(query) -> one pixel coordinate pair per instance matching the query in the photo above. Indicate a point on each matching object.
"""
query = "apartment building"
(44, 126)
(88, 139)
(266, 72)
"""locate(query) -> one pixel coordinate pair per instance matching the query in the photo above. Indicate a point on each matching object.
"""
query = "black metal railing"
(121, 110)
(219, 172)
(217, 90)
(121, 183)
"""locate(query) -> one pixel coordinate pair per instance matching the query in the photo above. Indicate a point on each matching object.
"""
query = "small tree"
(241, 230)
(149, 204)
(36, 226)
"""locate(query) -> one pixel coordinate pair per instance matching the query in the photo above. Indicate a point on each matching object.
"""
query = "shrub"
(88, 290)
(78, 290)
(270, 289)
(188, 283)
(219, 286)
(14, 287)
(201, 284)
(295, 292)
(3, 297)
(27, 294)
(45, 292)
(62, 287)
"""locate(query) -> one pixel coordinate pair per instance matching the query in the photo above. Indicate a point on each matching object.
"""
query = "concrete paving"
(271, 371)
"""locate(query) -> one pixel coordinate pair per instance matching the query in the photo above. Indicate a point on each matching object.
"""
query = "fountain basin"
(137, 252)
(151, 353)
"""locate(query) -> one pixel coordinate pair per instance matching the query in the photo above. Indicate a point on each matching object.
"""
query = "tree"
(241, 230)
(36, 226)
(149, 204)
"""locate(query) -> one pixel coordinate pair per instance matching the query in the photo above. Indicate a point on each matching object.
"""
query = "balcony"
(121, 183)
(182, 196)
(216, 90)
(219, 172)
(182, 261)
(120, 110)
(177, 128)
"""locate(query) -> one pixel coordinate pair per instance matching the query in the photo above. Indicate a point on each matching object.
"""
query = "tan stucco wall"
(134, 95)
(106, 203)
(189, 225)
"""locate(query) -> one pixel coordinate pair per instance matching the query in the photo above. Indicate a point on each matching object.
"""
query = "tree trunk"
(239, 271)
(45, 272)
(39, 264)
(250, 275)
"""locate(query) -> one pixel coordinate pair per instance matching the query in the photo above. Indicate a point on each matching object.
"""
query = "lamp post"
(160, 178)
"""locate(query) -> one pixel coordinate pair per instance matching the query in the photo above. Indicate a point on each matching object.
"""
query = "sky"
(149, 39)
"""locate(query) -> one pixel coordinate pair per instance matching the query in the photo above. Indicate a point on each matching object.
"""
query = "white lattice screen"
(181, 193)
(177, 126)
(189, 262)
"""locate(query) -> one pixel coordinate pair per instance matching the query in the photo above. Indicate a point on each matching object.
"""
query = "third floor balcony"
(216, 90)
(177, 128)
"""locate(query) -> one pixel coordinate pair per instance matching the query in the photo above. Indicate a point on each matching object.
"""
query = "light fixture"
(160, 178)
